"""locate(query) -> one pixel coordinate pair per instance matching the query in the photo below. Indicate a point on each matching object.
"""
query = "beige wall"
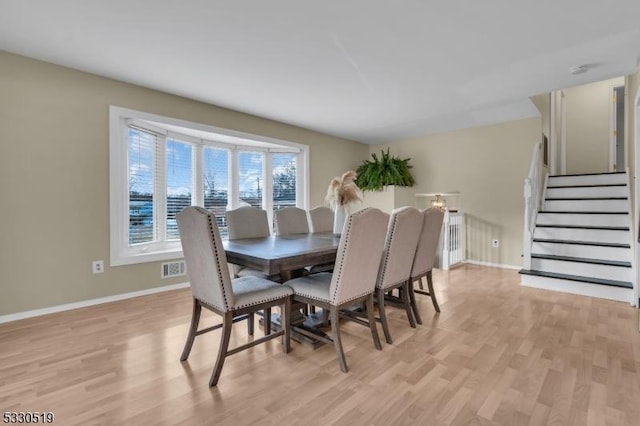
(487, 165)
(588, 125)
(633, 84)
(543, 103)
(632, 87)
(54, 186)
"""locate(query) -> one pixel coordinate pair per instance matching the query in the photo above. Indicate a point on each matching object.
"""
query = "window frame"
(121, 253)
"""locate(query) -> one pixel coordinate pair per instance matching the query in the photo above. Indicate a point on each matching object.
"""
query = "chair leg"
(404, 293)
(267, 321)
(383, 317)
(414, 304)
(372, 323)
(227, 323)
(335, 335)
(195, 320)
(420, 284)
(431, 292)
(250, 323)
(285, 322)
(325, 317)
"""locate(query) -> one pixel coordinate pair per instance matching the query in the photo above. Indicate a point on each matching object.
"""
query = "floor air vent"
(173, 269)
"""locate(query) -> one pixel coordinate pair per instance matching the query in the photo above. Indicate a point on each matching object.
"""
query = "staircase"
(582, 239)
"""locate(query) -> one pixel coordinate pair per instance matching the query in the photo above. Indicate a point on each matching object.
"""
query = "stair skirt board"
(582, 234)
(586, 205)
(597, 179)
(585, 251)
(583, 219)
(587, 191)
(619, 294)
(617, 273)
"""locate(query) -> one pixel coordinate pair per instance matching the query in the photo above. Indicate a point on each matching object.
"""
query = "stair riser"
(582, 219)
(585, 289)
(589, 252)
(577, 234)
(617, 273)
(587, 205)
(608, 179)
(599, 191)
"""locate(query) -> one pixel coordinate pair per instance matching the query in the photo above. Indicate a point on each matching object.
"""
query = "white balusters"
(532, 192)
(453, 239)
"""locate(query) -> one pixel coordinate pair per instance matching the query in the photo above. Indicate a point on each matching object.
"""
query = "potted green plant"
(387, 170)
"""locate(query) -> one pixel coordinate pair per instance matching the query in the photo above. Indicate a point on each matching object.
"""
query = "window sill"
(154, 256)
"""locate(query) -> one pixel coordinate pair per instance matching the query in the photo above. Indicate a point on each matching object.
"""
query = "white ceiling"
(368, 70)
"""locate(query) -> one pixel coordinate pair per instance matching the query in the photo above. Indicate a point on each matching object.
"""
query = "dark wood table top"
(278, 254)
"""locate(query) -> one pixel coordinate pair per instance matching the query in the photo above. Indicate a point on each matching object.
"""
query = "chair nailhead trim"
(261, 301)
(388, 244)
(216, 250)
(346, 243)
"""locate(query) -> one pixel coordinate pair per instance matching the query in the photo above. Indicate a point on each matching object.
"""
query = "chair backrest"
(291, 220)
(321, 219)
(247, 222)
(206, 260)
(403, 234)
(359, 254)
(428, 244)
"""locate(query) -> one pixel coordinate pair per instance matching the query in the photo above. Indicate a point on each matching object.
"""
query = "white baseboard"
(91, 302)
(619, 294)
(494, 265)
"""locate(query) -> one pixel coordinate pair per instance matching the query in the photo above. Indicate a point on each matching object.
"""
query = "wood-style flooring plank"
(497, 354)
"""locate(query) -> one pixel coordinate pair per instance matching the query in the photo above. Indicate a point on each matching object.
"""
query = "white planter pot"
(390, 198)
(339, 217)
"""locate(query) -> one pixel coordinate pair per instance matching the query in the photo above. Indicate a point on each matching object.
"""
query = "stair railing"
(634, 231)
(533, 188)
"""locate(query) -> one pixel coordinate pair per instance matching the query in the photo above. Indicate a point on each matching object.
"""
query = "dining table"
(283, 254)
(282, 257)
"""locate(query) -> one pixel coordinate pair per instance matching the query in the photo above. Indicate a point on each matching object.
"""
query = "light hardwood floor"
(497, 354)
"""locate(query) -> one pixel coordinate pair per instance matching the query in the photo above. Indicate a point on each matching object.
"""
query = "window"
(250, 177)
(159, 166)
(216, 184)
(141, 183)
(283, 169)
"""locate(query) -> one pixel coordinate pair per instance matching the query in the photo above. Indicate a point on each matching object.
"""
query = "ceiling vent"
(579, 69)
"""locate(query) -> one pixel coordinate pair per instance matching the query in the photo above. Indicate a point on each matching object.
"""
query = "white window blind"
(216, 184)
(141, 179)
(179, 178)
(284, 171)
(251, 177)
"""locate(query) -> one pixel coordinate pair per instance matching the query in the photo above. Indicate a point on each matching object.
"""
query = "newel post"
(527, 237)
(446, 229)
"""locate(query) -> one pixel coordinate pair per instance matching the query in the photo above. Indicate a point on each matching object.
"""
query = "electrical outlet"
(495, 243)
(98, 266)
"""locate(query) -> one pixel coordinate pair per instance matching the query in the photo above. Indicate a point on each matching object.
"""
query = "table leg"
(312, 323)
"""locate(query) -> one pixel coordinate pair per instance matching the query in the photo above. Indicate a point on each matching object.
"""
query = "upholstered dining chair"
(321, 219)
(213, 288)
(400, 245)
(353, 280)
(425, 256)
(291, 220)
(248, 222)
